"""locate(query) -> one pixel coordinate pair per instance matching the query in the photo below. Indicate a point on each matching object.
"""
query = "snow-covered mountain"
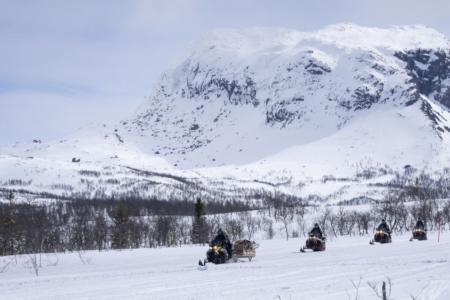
(267, 105)
(241, 96)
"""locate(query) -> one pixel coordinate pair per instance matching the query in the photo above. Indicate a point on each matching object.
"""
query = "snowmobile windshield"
(383, 227)
(219, 240)
(316, 232)
(420, 225)
(315, 235)
(215, 242)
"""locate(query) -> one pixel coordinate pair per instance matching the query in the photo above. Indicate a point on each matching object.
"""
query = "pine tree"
(199, 225)
(120, 237)
(8, 238)
(100, 231)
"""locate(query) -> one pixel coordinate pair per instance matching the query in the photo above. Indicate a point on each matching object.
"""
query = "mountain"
(243, 95)
(273, 107)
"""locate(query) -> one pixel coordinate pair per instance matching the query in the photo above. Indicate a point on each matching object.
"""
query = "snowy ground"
(419, 269)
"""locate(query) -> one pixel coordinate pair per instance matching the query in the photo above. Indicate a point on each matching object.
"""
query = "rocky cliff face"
(429, 72)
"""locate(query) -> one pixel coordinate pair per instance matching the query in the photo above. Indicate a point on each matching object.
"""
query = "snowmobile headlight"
(216, 248)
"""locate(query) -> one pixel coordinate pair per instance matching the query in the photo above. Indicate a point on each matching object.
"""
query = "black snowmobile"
(220, 249)
(419, 232)
(217, 254)
(382, 234)
(314, 243)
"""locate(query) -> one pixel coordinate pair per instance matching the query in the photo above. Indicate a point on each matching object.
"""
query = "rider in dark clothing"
(384, 226)
(222, 240)
(316, 231)
(420, 225)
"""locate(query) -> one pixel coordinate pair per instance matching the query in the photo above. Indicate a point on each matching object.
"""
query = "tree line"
(82, 224)
(99, 224)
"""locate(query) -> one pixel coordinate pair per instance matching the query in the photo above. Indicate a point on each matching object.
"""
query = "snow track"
(279, 271)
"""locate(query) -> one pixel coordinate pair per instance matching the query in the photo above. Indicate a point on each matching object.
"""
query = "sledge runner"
(315, 241)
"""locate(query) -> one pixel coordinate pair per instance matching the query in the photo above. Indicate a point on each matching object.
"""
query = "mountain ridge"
(286, 89)
(263, 105)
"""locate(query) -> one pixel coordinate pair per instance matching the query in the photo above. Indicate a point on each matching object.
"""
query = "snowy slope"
(243, 95)
(279, 271)
(382, 139)
(263, 108)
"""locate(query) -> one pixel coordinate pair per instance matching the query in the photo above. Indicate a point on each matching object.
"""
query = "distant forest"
(83, 224)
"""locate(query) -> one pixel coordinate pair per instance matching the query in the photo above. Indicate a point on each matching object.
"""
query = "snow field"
(279, 271)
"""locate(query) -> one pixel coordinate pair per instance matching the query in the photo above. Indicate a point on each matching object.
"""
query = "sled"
(244, 249)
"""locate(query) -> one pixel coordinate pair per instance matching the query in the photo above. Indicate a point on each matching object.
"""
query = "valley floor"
(279, 271)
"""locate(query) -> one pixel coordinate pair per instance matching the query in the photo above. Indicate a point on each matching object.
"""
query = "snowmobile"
(314, 243)
(419, 234)
(381, 236)
(216, 254)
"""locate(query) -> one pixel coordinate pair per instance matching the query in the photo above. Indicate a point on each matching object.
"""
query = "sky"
(65, 64)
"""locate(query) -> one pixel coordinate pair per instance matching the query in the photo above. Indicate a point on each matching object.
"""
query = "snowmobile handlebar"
(313, 236)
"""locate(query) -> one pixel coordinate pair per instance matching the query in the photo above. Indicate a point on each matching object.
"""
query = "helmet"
(383, 220)
(220, 231)
(316, 225)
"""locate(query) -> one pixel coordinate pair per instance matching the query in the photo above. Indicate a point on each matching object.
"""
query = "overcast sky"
(64, 64)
